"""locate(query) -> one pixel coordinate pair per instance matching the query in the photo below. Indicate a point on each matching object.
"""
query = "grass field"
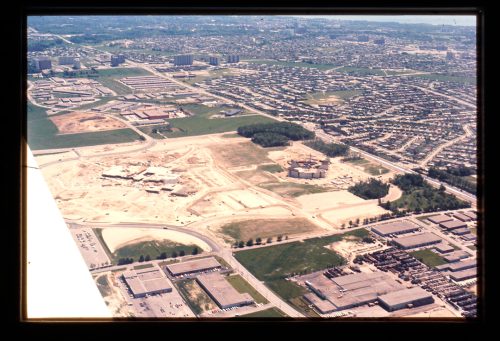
(97, 103)
(368, 167)
(195, 297)
(230, 136)
(292, 190)
(361, 71)
(143, 266)
(319, 97)
(161, 129)
(428, 257)
(293, 64)
(212, 74)
(264, 228)
(201, 123)
(268, 313)
(242, 286)
(271, 264)
(271, 168)
(42, 133)
(151, 248)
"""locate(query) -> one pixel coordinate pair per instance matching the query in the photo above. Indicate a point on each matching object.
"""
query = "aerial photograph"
(249, 167)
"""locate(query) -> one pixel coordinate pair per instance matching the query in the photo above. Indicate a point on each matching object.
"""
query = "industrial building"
(471, 215)
(398, 227)
(437, 219)
(222, 292)
(463, 274)
(233, 58)
(452, 225)
(406, 298)
(349, 291)
(419, 240)
(462, 217)
(458, 266)
(183, 60)
(189, 267)
(456, 256)
(444, 248)
(148, 281)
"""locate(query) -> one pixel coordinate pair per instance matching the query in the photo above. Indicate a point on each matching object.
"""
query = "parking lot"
(92, 251)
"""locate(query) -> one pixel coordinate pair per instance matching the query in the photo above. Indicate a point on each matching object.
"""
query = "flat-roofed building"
(405, 298)
(461, 231)
(458, 266)
(463, 274)
(183, 60)
(222, 292)
(462, 217)
(350, 290)
(398, 227)
(471, 214)
(456, 256)
(192, 266)
(452, 225)
(418, 240)
(444, 248)
(437, 219)
(148, 281)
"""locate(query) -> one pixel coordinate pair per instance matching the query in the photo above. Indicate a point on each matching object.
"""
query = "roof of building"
(462, 217)
(193, 266)
(139, 284)
(439, 218)
(324, 306)
(471, 214)
(222, 291)
(395, 227)
(444, 248)
(404, 296)
(417, 240)
(455, 224)
(461, 230)
(464, 274)
(456, 256)
(463, 265)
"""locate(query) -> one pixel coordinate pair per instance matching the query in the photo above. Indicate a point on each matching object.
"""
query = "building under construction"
(308, 169)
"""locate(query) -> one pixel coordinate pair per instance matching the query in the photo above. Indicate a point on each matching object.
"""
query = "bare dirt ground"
(114, 298)
(116, 238)
(82, 122)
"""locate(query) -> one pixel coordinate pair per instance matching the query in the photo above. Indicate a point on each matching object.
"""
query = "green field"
(242, 286)
(97, 103)
(292, 64)
(201, 123)
(143, 266)
(292, 190)
(151, 248)
(230, 136)
(212, 74)
(268, 313)
(445, 78)
(428, 257)
(42, 133)
(161, 129)
(368, 167)
(361, 71)
(271, 168)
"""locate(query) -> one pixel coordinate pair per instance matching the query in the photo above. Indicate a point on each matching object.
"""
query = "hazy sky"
(457, 20)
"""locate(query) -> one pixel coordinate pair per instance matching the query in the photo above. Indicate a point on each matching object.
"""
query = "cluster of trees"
(241, 244)
(40, 45)
(371, 189)
(420, 197)
(270, 139)
(330, 149)
(275, 134)
(452, 176)
(123, 261)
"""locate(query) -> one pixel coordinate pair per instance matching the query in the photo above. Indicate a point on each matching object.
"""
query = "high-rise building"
(380, 41)
(66, 60)
(117, 59)
(77, 65)
(233, 58)
(213, 61)
(183, 60)
(43, 63)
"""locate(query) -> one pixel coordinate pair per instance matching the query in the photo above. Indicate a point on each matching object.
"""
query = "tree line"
(329, 149)
(163, 255)
(371, 189)
(454, 177)
(275, 134)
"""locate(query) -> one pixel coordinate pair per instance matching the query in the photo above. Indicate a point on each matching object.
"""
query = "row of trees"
(329, 149)
(450, 176)
(163, 255)
(270, 139)
(292, 131)
(258, 241)
(371, 189)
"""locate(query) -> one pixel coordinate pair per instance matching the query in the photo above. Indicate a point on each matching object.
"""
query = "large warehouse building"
(438, 219)
(349, 291)
(222, 292)
(193, 266)
(148, 281)
(398, 227)
(452, 225)
(418, 240)
(405, 298)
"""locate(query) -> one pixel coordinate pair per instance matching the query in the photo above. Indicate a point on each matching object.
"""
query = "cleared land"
(78, 122)
(264, 228)
(428, 257)
(332, 97)
(292, 190)
(239, 154)
(368, 167)
(242, 286)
